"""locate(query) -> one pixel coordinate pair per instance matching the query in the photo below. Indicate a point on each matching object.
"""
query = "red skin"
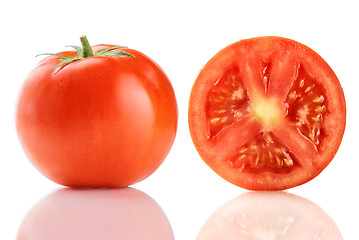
(97, 122)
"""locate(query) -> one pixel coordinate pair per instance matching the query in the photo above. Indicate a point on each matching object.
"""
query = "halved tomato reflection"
(269, 215)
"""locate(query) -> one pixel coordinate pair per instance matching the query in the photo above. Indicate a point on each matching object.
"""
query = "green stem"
(86, 48)
(86, 51)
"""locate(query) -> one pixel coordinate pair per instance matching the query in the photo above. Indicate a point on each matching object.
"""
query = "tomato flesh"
(259, 116)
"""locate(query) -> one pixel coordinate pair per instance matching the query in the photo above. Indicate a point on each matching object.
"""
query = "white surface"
(181, 37)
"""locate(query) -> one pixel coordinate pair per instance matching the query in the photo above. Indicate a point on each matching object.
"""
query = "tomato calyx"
(86, 51)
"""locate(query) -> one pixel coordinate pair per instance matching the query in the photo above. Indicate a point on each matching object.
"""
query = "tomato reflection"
(101, 214)
(270, 216)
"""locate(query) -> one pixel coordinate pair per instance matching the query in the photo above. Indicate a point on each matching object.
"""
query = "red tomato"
(267, 113)
(101, 121)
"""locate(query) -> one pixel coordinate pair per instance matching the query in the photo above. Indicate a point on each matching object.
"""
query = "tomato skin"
(257, 61)
(97, 122)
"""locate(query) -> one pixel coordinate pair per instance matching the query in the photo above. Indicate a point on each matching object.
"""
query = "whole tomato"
(102, 116)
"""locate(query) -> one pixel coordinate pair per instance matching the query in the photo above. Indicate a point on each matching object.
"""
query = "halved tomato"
(267, 113)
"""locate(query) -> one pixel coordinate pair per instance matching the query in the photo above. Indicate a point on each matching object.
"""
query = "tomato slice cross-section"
(267, 113)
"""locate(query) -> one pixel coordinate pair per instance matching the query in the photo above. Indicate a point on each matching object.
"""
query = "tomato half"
(101, 121)
(267, 113)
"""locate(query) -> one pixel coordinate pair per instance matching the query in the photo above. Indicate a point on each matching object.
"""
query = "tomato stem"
(86, 48)
(86, 51)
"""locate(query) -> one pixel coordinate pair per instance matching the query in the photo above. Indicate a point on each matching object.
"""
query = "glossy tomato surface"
(103, 121)
(267, 113)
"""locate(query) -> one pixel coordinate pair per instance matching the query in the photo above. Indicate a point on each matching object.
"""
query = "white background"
(181, 36)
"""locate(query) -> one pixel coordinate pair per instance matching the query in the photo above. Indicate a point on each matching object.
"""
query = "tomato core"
(267, 111)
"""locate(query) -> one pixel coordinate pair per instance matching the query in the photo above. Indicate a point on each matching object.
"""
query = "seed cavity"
(265, 153)
(227, 102)
(307, 110)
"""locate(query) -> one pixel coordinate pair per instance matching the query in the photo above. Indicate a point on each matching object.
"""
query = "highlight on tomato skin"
(267, 113)
(101, 116)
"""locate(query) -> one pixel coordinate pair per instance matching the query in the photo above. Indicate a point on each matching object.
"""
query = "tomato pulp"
(101, 121)
(267, 113)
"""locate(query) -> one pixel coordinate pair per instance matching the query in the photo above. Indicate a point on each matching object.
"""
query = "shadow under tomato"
(270, 216)
(96, 214)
